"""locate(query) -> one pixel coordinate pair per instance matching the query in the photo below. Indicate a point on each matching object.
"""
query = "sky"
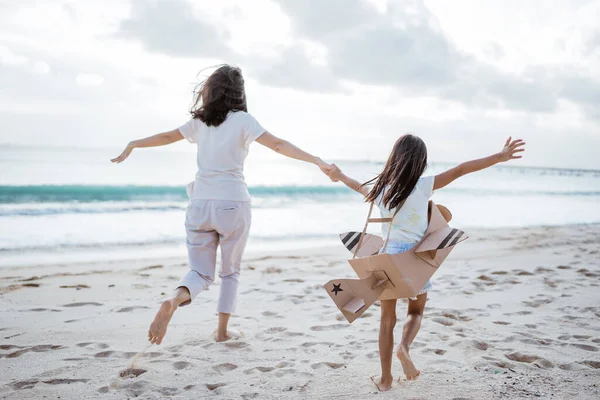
(340, 78)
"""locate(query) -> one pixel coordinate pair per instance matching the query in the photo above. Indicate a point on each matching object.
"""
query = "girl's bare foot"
(408, 367)
(158, 328)
(383, 384)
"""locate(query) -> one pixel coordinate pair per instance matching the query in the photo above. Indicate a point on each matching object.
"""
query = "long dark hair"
(404, 167)
(221, 92)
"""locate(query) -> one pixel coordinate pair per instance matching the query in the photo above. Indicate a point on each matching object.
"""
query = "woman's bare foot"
(158, 328)
(383, 384)
(408, 367)
(222, 337)
(230, 334)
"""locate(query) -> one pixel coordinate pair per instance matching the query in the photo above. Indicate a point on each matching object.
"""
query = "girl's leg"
(409, 332)
(386, 344)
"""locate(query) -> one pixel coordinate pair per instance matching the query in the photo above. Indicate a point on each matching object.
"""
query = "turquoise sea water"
(58, 205)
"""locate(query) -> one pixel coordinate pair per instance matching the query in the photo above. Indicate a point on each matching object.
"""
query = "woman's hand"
(326, 168)
(124, 154)
(335, 173)
(511, 147)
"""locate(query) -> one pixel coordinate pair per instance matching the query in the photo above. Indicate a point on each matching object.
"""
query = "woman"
(219, 210)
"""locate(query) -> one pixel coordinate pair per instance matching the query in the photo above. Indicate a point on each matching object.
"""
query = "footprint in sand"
(523, 273)
(443, 321)
(537, 303)
(150, 267)
(259, 369)
(168, 392)
(269, 314)
(214, 386)
(78, 287)
(30, 383)
(93, 345)
(225, 367)
(333, 327)
(327, 364)
(439, 352)
(129, 309)
(36, 349)
(181, 365)
(236, 345)
(529, 359)
(275, 329)
(586, 347)
(591, 364)
(126, 355)
(90, 303)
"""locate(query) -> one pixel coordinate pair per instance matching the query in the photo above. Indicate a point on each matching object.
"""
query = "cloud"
(170, 27)
(89, 80)
(406, 49)
(7, 57)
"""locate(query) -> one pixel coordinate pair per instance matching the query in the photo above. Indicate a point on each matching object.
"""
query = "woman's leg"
(386, 344)
(202, 246)
(234, 219)
(409, 332)
(158, 328)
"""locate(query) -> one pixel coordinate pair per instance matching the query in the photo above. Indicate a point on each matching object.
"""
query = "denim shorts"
(398, 247)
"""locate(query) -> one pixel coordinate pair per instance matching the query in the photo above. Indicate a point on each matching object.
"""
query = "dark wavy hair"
(404, 167)
(221, 92)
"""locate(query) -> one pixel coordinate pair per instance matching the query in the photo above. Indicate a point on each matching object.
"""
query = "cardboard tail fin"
(354, 296)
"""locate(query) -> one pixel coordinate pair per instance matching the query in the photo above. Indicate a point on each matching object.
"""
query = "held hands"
(335, 173)
(124, 154)
(326, 169)
(511, 147)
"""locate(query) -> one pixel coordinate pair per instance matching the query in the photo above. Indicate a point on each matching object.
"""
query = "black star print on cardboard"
(337, 288)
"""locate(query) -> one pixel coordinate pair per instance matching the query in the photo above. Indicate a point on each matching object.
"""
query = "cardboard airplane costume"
(392, 276)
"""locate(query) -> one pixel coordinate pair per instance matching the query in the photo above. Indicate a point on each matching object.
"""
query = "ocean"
(60, 205)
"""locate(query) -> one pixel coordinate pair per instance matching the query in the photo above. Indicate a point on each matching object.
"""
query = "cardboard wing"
(354, 296)
(406, 273)
(371, 244)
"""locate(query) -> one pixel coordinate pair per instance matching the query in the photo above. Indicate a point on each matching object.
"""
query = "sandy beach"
(513, 314)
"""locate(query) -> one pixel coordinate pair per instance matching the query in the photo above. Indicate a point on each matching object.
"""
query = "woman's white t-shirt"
(410, 224)
(222, 151)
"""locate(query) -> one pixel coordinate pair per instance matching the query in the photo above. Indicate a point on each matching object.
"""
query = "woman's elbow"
(279, 146)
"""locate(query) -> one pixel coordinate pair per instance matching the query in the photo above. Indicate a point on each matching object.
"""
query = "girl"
(219, 211)
(400, 186)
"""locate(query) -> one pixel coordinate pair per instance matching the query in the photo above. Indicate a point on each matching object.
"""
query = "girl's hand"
(335, 173)
(511, 147)
(124, 154)
(325, 168)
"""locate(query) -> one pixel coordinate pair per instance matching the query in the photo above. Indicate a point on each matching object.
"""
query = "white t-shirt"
(222, 151)
(410, 224)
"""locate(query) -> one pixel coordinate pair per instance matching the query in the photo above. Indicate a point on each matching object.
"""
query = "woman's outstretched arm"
(287, 149)
(161, 139)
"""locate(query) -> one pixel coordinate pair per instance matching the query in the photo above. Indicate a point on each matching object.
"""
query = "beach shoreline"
(513, 314)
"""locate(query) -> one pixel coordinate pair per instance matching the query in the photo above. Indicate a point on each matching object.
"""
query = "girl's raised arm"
(287, 149)
(511, 147)
(160, 139)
